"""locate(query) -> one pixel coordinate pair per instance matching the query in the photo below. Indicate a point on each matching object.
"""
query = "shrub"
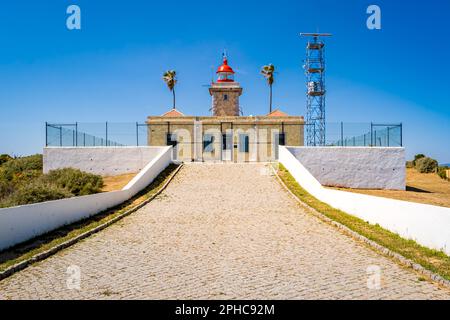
(410, 164)
(442, 172)
(38, 191)
(75, 181)
(6, 188)
(24, 168)
(417, 157)
(426, 165)
(4, 158)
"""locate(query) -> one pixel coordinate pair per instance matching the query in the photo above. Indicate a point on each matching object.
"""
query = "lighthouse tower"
(225, 92)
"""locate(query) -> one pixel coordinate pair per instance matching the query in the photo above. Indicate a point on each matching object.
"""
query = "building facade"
(226, 135)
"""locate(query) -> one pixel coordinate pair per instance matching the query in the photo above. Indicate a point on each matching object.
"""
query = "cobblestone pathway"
(219, 231)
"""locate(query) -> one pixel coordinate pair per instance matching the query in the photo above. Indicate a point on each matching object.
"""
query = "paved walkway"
(219, 231)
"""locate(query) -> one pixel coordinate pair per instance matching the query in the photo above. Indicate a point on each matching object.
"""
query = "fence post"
(76, 134)
(371, 134)
(342, 133)
(137, 134)
(388, 136)
(46, 134)
(106, 141)
(84, 139)
(60, 136)
(401, 134)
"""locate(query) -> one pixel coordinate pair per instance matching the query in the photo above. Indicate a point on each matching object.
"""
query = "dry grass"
(115, 183)
(426, 188)
(434, 260)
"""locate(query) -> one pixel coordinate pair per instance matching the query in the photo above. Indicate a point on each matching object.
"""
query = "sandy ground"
(426, 188)
(220, 232)
(115, 183)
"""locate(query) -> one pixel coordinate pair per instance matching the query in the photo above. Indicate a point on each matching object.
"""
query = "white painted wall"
(426, 224)
(355, 167)
(105, 161)
(21, 223)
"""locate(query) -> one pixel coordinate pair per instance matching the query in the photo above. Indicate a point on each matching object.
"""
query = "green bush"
(442, 172)
(6, 188)
(426, 165)
(22, 182)
(417, 157)
(38, 191)
(410, 164)
(75, 181)
(4, 158)
(25, 168)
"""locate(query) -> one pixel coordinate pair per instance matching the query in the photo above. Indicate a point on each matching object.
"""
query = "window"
(225, 97)
(279, 140)
(282, 139)
(244, 143)
(227, 142)
(208, 143)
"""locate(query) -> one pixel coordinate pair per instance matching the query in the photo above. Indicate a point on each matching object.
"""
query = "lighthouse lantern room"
(225, 92)
(225, 73)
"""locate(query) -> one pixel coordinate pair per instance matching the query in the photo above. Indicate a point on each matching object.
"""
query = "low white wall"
(355, 167)
(21, 223)
(105, 161)
(426, 224)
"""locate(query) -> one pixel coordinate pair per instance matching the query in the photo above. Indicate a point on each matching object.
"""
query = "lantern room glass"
(225, 76)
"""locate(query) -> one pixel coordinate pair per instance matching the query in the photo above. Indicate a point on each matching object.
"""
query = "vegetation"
(410, 164)
(434, 260)
(170, 78)
(4, 158)
(426, 165)
(417, 157)
(268, 73)
(22, 182)
(75, 181)
(442, 172)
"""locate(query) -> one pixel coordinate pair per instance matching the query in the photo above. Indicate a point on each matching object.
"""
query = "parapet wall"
(105, 161)
(355, 167)
(426, 224)
(21, 223)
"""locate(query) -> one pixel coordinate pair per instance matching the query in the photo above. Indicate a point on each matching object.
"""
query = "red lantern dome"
(225, 73)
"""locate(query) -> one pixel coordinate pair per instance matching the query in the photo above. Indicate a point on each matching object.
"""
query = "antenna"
(315, 84)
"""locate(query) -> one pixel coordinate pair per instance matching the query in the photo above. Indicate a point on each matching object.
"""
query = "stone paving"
(219, 232)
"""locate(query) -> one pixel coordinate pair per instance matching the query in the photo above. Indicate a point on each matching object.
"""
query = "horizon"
(111, 70)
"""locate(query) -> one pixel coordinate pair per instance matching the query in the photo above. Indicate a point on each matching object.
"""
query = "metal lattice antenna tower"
(315, 84)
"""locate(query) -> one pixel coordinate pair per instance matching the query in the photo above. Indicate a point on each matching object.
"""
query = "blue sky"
(111, 69)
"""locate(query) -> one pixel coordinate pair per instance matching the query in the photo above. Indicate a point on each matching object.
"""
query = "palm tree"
(170, 78)
(268, 72)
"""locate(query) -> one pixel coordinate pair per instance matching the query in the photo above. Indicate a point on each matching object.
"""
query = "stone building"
(226, 135)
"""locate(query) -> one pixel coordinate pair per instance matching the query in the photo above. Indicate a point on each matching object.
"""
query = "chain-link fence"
(364, 134)
(138, 134)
